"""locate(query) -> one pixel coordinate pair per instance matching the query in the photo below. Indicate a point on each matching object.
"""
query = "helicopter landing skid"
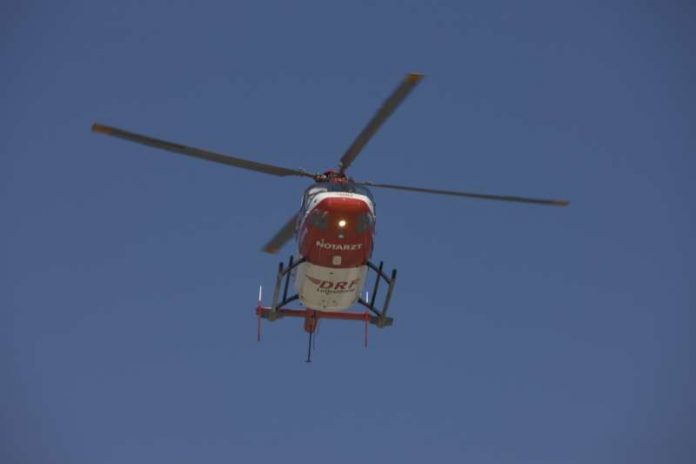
(372, 314)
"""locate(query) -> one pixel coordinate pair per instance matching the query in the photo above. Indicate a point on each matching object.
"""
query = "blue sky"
(128, 276)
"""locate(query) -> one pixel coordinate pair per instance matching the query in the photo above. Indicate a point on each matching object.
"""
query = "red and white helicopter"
(334, 227)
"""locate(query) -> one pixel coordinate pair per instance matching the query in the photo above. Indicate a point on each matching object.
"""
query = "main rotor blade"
(481, 196)
(199, 153)
(281, 237)
(387, 108)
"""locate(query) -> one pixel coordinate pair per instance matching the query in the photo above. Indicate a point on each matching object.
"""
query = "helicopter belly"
(329, 289)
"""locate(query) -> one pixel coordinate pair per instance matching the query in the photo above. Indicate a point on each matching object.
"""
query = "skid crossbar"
(265, 312)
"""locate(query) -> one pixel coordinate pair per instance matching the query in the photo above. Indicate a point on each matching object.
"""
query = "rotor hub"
(331, 176)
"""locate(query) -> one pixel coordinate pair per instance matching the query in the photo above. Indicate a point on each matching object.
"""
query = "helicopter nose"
(344, 214)
(338, 233)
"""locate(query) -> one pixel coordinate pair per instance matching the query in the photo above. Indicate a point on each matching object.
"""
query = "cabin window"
(365, 222)
(318, 219)
(310, 193)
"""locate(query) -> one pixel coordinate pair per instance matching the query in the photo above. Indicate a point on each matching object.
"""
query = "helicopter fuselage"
(335, 238)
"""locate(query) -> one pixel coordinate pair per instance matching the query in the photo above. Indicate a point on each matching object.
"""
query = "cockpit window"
(336, 187)
(364, 223)
(350, 188)
(311, 192)
(322, 187)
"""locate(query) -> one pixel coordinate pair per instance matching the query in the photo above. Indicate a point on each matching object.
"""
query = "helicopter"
(334, 229)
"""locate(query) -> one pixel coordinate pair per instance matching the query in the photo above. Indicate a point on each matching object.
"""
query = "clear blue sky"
(128, 276)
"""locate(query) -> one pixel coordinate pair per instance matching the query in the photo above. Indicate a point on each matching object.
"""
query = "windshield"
(321, 187)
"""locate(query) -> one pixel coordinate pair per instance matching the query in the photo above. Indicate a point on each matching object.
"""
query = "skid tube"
(311, 320)
(266, 312)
